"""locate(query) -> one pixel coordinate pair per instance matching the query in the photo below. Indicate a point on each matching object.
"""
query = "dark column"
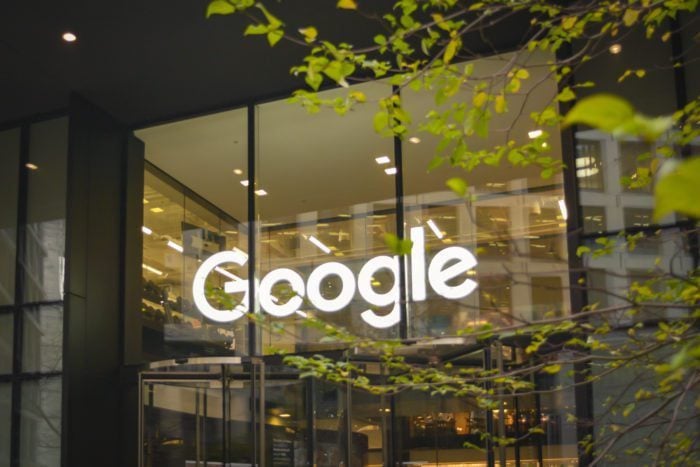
(94, 400)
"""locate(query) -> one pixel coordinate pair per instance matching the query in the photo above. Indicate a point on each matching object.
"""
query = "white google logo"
(438, 275)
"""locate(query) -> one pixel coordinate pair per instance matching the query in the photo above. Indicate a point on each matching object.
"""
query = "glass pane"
(325, 201)
(330, 405)
(194, 208)
(286, 424)
(589, 164)
(9, 176)
(46, 211)
(5, 421)
(40, 424)
(513, 223)
(42, 339)
(6, 342)
(594, 219)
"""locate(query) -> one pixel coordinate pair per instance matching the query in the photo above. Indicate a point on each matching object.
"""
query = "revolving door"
(208, 412)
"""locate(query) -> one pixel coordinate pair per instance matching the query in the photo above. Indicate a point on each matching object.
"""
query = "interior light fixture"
(261, 192)
(382, 160)
(225, 273)
(285, 415)
(156, 210)
(615, 49)
(152, 269)
(146, 230)
(245, 182)
(238, 171)
(175, 246)
(145, 201)
(31, 166)
(563, 210)
(69, 37)
(390, 171)
(434, 228)
(414, 140)
(302, 314)
(534, 134)
(319, 244)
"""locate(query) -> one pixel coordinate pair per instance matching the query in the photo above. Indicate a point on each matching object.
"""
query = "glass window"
(42, 339)
(9, 176)
(325, 194)
(195, 205)
(638, 217)
(6, 342)
(46, 211)
(589, 164)
(547, 296)
(286, 422)
(5, 420)
(594, 219)
(40, 424)
(512, 219)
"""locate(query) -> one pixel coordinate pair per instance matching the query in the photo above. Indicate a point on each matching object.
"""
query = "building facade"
(123, 335)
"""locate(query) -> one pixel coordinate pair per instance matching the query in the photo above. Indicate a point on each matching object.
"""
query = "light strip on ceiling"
(563, 210)
(146, 230)
(175, 246)
(434, 228)
(152, 269)
(319, 244)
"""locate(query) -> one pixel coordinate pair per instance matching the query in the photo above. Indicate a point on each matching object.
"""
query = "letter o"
(313, 287)
(265, 296)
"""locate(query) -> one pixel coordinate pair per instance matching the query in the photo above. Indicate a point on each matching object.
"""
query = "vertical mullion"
(252, 257)
(398, 181)
(20, 249)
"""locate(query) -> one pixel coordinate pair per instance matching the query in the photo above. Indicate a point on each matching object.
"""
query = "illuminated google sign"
(445, 266)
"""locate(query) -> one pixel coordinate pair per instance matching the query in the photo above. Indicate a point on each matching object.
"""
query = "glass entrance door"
(203, 412)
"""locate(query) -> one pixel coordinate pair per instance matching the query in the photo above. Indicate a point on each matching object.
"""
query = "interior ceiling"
(146, 61)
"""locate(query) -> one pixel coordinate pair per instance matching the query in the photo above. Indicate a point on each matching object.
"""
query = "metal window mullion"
(252, 257)
(20, 248)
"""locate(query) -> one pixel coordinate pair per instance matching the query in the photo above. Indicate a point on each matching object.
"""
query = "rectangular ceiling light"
(382, 160)
(261, 192)
(391, 171)
(244, 182)
(152, 269)
(175, 246)
(563, 210)
(534, 134)
(319, 244)
(146, 230)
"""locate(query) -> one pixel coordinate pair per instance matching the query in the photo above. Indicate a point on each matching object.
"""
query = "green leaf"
(603, 111)
(347, 4)
(255, 29)
(451, 50)
(274, 36)
(566, 95)
(499, 104)
(458, 185)
(435, 163)
(397, 245)
(630, 17)
(569, 22)
(522, 74)
(220, 7)
(580, 251)
(679, 190)
(552, 369)
(309, 33)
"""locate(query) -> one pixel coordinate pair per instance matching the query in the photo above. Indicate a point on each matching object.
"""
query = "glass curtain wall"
(33, 169)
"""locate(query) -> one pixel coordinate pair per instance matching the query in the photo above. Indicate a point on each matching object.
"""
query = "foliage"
(652, 336)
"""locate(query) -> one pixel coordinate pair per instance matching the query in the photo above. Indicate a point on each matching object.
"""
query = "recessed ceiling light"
(284, 415)
(175, 246)
(382, 160)
(244, 182)
(434, 228)
(156, 210)
(145, 201)
(237, 171)
(534, 134)
(390, 171)
(322, 246)
(69, 37)
(146, 230)
(31, 166)
(414, 140)
(152, 269)
(615, 49)
(261, 192)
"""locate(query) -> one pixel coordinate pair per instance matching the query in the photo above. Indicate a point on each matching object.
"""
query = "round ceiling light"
(69, 37)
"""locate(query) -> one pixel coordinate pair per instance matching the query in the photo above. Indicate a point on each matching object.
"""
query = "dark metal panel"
(93, 308)
(132, 211)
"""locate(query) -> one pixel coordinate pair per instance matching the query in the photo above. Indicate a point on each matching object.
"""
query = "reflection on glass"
(194, 205)
(285, 421)
(44, 258)
(40, 424)
(511, 219)
(328, 198)
(594, 219)
(42, 339)
(330, 403)
(6, 342)
(5, 420)
(631, 152)
(638, 217)
(9, 167)
(556, 408)
(589, 164)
